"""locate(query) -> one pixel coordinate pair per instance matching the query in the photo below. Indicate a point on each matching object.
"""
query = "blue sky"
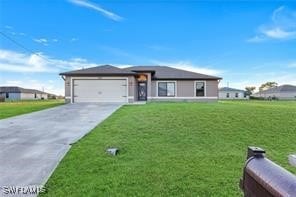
(245, 42)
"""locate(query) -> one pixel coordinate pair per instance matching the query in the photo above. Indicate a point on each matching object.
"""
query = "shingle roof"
(158, 72)
(165, 72)
(230, 89)
(99, 70)
(15, 89)
(280, 89)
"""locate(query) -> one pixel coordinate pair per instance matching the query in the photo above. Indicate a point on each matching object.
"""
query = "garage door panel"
(100, 90)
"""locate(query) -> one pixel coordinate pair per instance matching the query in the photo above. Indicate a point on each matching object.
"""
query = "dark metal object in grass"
(113, 151)
(262, 177)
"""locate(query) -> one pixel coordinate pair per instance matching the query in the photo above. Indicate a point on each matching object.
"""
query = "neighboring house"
(140, 83)
(18, 93)
(231, 93)
(283, 92)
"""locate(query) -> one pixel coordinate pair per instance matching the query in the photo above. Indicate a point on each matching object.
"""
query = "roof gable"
(165, 72)
(280, 89)
(100, 70)
(230, 89)
(158, 72)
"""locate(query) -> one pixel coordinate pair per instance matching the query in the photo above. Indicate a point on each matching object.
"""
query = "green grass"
(13, 108)
(175, 149)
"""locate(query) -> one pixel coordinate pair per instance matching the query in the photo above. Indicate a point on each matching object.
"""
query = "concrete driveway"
(32, 145)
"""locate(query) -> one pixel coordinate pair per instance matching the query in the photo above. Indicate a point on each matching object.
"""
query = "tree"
(250, 90)
(267, 85)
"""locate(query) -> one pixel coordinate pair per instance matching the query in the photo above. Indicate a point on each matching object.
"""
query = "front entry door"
(142, 91)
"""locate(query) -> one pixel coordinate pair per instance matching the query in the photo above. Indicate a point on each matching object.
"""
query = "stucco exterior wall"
(24, 96)
(223, 95)
(30, 96)
(131, 86)
(212, 88)
(186, 88)
(153, 89)
(12, 96)
(67, 87)
(281, 96)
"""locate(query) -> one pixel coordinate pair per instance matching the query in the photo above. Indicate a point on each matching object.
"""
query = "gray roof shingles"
(165, 72)
(99, 70)
(158, 72)
(282, 88)
(230, 89)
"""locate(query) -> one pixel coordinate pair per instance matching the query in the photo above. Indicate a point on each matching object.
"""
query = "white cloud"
(98, 8)
(20, 62)
(73, 39)
(282, 26)
(8, 27)
(186, 65)
(38, 65)
(159, 48)
(78, 59)
(43, 41)
(278, 33)
(256, 39)
(12, 61)
(292, 65)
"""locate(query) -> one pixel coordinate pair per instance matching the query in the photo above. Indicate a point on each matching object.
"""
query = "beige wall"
(185, 88)
(153, 88)
(132, 89)
(212, 88)
(67, 87)
(223, 95)
(24, 96)
(282, 95)
(29, 96)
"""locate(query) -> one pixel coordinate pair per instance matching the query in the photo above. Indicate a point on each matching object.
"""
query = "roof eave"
(97, 74)
(166, 78)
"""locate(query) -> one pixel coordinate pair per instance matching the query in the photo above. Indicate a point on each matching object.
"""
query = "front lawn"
(13, 108)
(175, 149)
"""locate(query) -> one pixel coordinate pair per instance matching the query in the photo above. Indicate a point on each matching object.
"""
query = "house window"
(227, 95)
(35, 95)
(236, 95)
(166, 89)
(6, 95)
(200, 88)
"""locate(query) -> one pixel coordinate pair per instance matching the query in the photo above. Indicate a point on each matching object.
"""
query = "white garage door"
(100, 90)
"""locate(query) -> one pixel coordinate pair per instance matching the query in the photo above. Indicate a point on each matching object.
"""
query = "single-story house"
(138, 83)
(232, 93)
(283, 92)
(18, 93)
